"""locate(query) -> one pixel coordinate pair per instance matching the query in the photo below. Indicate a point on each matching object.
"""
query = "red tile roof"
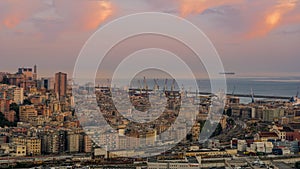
(268, 134)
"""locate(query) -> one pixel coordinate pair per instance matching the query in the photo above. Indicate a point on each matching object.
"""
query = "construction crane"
(145, 85)
(196, 97)
(165, 87)
(108, 85)
(140, 86)
(173, 85)
(252, 95)
(156, 86)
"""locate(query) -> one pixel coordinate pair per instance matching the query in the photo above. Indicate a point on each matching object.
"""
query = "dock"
(250, 96)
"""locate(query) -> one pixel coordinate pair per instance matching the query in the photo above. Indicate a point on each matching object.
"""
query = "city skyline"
(263, 34)
(181, 84)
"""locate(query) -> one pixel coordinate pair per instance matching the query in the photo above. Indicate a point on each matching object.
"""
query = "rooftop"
(268, 134)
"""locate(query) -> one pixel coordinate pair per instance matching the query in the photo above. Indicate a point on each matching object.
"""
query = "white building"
(189, 163)
(242, 145)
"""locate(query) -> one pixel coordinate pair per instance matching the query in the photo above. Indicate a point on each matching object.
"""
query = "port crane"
(252, 95)
(165, 86)
(156, 86)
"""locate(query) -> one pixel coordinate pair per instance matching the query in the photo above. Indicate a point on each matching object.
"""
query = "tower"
(35, 72)
(60, 84)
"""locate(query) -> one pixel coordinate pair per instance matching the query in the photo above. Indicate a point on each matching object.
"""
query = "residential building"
(27, 112)
(33, 146)
(73, 142)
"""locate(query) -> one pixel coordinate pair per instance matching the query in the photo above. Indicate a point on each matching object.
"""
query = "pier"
(143, 91)
(249, 95)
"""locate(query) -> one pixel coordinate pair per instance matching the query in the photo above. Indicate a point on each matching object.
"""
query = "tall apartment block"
(60, 84)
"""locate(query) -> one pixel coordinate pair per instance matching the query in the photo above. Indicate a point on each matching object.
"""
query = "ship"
(295, 100)
(227, 73)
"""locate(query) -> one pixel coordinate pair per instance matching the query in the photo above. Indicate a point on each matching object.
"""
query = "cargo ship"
(227, 73)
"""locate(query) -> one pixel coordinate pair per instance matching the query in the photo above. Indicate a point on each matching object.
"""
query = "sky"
(252, 37)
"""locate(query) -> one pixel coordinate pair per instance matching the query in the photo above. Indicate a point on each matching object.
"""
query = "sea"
(268, 86)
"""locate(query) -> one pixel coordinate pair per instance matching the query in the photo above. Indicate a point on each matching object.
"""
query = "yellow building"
(272, 114)
(20, 150)
(265, 136)
(196, 132)
(33, 146)
(19, 140)
(39, 120)
(73, 142)
(27, 112)
(150, 137)
(18, 96)
(87, 144)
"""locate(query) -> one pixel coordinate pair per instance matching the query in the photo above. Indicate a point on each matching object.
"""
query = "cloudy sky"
(253, 37)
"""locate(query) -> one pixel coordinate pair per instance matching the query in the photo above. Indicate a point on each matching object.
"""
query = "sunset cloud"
(255, 18)
(14, 12)
(272, 17)
(96, 14)
(188, 7)
(75, 15)
(12, 20)
(243, 31)
(261, 17)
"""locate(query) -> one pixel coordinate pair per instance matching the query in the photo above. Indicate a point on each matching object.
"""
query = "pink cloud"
(272, 17)
(61, 16)
(188, 7)
(14, 12)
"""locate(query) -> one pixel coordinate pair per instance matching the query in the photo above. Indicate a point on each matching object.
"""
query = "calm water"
(260, 86)
(286, 86)
(273, 86)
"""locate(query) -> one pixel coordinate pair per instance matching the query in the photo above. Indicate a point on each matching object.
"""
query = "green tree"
(27, 102)
(229, 112)
(218, 130)
(15, 107)
(230, 122)
(5, 80)
(4, 122)
(189, 137)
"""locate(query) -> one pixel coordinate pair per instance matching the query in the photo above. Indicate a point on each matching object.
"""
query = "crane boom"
(173, 85)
